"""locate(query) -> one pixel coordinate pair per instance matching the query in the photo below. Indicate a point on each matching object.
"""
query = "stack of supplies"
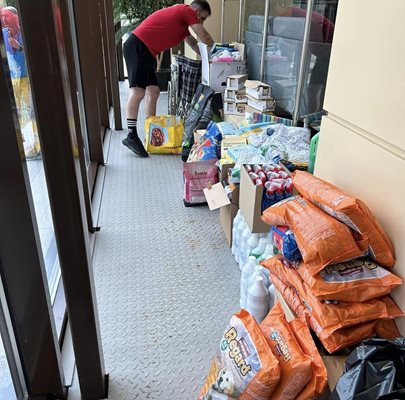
(340, 285)
(259, 96)
(338, 324)
(235, 96)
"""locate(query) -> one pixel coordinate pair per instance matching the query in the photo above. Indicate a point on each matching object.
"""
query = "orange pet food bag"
(295, 365)
(342, 338)
(318, 382)
(322, 239)
(328, 318)
(356, 280)
(350, 211)
(244, 368)
(333, 315)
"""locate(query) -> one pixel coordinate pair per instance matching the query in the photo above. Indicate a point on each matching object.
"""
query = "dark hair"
(202, 5)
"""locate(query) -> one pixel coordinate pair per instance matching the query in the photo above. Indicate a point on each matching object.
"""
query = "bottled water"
(272, 296)
(258, 271)
(243, 254)
(247, 271)
(268, 252)
(260, 249)
(252, 243)
(235, 231)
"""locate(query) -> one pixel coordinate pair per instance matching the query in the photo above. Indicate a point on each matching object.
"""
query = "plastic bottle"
(268, 252)
(258, 271)
(258, 300)
(260, 248)
(239, 233)
(247, 271)
(272, 296)
(236, 221)
(243, 254)
(252, 243)
(241, 227)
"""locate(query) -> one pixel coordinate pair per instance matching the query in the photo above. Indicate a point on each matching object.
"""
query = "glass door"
(31, 149)
(12, 385)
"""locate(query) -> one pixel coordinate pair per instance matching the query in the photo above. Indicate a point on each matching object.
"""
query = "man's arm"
(202, 34)
(192, 42)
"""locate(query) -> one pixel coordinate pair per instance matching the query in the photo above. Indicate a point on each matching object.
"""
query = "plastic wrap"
(374, 370)
(292, 142)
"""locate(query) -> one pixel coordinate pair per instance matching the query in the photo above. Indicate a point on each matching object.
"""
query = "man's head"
(203, 9)
(11, 9)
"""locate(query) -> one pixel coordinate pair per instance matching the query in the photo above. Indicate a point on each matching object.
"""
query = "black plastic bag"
(374, 370)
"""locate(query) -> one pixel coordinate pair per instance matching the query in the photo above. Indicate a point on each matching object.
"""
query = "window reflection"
(19, 76)
(11, 30)
(283, 51)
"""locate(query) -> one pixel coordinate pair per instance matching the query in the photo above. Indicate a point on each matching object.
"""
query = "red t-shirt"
(166, 28)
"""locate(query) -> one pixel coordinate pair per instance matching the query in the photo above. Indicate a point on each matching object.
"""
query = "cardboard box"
(237, 96)
(261, 105)
(215, 74)
(223, 171)
(231, 108)
(236, 82)
(229, 142)
(250, 203)
(258, 90)
(334, 365)
(226, 217)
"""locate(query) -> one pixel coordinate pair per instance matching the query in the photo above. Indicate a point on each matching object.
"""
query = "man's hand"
(202, 34)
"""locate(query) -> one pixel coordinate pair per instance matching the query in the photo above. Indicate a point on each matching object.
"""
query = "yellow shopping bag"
(164, 134)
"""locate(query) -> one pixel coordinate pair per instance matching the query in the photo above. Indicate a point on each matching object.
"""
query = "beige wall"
(362, 141)
(213, 23)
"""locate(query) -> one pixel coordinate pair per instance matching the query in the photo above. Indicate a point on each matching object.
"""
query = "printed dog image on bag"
(223, 386)
(157, 138)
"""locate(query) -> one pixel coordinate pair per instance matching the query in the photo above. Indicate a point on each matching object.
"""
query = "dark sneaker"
(135, 145)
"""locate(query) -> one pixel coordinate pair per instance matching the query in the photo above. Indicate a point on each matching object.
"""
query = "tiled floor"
(166, 281)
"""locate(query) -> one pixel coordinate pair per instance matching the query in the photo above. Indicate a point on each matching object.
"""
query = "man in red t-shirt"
(162, 30)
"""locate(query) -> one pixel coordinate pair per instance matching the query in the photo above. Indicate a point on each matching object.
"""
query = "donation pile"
(266, 140)
(340, 286)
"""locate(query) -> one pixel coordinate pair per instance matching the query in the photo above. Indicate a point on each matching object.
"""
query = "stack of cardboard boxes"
(245, 96)
(259, 97)
(235, 95)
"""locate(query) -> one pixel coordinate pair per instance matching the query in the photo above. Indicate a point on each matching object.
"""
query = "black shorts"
(141, 65)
